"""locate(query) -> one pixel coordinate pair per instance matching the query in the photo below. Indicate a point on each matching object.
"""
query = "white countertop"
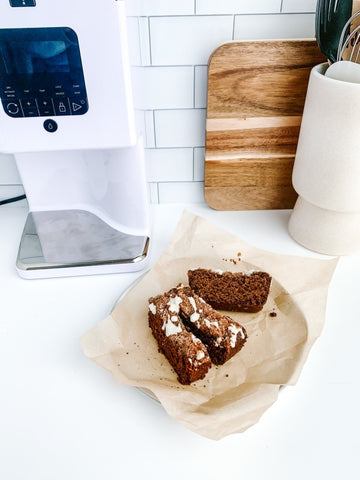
(64, 418)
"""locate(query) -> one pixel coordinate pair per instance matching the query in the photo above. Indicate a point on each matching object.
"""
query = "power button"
(50, 125)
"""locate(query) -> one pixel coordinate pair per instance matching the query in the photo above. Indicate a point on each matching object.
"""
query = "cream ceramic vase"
(326, 174)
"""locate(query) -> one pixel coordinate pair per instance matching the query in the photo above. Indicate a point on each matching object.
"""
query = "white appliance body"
(67, 114)
(100, 27)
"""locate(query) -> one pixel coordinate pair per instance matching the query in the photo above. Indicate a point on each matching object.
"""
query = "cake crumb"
(232, 260)
(273, 314)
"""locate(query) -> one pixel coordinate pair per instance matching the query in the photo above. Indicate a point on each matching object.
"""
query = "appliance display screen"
(35, 57)
(41, 72)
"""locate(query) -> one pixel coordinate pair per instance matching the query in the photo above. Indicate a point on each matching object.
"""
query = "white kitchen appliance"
(67, 114)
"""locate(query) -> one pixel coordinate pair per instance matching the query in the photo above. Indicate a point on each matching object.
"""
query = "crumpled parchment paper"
(232, 397)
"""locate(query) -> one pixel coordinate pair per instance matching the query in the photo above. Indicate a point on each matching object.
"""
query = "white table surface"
(64, 418)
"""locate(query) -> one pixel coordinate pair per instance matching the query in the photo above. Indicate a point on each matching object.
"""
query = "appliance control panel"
(41, 72)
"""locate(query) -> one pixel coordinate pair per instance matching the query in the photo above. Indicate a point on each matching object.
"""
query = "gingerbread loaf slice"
(186, 354)
(222, 336)
(237, 292)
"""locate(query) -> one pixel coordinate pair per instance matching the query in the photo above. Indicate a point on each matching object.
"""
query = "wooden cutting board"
(256, 95)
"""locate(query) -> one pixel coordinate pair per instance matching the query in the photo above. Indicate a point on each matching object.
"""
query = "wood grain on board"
(256, 95)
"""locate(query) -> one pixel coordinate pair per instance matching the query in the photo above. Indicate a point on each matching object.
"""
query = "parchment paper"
(232, 397)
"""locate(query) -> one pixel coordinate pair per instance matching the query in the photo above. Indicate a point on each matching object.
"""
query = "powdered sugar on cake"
(171, 326)
(234, 331)
(174, 304)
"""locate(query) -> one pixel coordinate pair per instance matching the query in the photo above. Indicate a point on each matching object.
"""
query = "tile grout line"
(230, 14)
(154, 128)
(194, 86)
(149, 40)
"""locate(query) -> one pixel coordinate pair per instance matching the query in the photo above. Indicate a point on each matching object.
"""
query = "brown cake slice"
(237, 292)
(222, 336)
(186, 354)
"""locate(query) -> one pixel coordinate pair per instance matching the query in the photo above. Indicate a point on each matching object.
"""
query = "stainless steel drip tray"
(75, 238)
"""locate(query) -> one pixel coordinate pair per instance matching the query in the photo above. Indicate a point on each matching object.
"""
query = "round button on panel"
(50, 125)
(13, 108)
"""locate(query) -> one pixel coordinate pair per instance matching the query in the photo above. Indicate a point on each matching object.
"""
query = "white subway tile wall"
(170, 164)
(187, 40)
(172, 42)
(210, 7)
(295, 6)
(176, 87)
(180, 128)
(274, 26)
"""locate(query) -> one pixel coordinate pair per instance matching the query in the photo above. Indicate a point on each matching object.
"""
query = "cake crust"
(237, 292)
